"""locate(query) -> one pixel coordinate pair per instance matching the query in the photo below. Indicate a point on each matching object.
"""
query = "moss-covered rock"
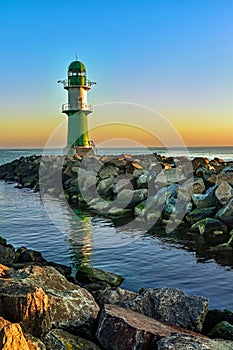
(88, 275)
(222, 330)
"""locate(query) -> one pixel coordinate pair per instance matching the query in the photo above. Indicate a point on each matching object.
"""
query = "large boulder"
(224, 192)
(190, 342)
(106, 187)
(58, 339)
(172, 306)
(226, 213)
(40, 298)
(121, 329)
(190, 187)
(207, 199)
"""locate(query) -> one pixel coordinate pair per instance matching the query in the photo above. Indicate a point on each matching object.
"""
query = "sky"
(164, 70)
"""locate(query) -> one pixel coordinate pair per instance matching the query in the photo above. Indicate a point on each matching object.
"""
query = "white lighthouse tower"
(77, 109)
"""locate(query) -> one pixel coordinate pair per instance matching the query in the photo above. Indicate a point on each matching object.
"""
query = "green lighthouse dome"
(77, 65)
(77, 74)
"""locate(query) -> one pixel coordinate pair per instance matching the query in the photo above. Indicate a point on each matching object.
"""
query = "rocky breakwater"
(42, 308)
(145, 189)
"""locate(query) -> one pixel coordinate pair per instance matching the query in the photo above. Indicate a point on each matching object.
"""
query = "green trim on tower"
(77, 74)
(78, 129)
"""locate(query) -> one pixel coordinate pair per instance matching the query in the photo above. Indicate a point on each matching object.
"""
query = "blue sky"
(174, 56)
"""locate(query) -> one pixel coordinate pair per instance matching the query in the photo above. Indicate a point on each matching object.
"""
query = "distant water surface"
(144, 260)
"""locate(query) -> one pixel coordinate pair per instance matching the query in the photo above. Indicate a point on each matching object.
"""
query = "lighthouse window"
(70, 74)
(74, 73)
(82, 74)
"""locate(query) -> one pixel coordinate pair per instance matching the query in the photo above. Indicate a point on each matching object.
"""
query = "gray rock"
(190, 342)
(130, 199)
(170, 176)
(224, 192)
(219, 178)
(172, 306)
(90, 182)
(207, 199)
(115, 212)
(122, 329)
(58, 339)
(115, 296)
(106, 187)
(99, 205)
(226, 213)
(190, 187)
(142, 181)
(200, 213)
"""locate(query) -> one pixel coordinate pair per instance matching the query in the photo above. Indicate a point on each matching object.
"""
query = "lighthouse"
(77, 109)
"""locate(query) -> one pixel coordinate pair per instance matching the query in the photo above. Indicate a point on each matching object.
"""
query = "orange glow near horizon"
(28, 133)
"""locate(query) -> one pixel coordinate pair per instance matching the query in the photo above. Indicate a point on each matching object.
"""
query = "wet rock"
(58, 339)
(190, 187)
(214, 317)
(222, 330)
(189, 342)
(99, 205)
(115, 212)
(207, 199)
(200, 213)
(40, 297)
(121, 329)
(172, 306)
(87, 275)
(226, 213)
(224, 192)
(208, 225)
(24, 255)
(7, 252)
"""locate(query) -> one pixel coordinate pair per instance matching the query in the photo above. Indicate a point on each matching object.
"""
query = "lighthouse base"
(81, 151)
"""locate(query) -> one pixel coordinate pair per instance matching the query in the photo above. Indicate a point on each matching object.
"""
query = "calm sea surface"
(68, 237)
